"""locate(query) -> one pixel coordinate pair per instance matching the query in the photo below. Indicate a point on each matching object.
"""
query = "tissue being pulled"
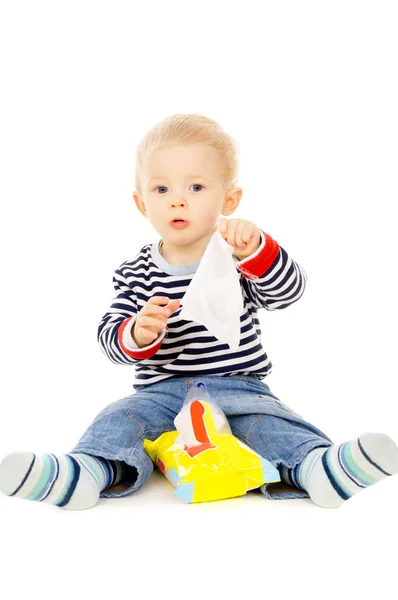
(214, 296)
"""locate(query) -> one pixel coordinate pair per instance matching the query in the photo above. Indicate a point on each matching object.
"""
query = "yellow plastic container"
(214, 465)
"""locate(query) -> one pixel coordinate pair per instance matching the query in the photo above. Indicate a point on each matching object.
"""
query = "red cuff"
(258, 263)
(141, 353)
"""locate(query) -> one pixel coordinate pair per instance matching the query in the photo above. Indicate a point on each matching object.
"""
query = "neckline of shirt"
(160, 262)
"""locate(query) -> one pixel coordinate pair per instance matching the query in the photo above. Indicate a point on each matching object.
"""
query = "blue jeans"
(256, 417)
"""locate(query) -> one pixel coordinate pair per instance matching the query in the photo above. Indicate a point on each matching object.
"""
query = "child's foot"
(334, 474)
(72, 481)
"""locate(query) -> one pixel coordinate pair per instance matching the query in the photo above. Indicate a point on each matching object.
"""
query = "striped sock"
(334, 474)
(72, 481)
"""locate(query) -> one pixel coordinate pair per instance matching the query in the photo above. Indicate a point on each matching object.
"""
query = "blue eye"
(193, 185)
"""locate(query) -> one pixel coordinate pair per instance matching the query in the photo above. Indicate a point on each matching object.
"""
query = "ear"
(231, 203)
(140, 203)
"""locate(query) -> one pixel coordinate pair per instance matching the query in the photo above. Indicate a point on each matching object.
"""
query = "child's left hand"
(244, 236)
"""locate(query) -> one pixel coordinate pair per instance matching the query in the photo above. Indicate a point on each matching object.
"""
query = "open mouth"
(179, 223)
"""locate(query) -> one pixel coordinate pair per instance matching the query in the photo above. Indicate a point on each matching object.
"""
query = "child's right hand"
(151, 319)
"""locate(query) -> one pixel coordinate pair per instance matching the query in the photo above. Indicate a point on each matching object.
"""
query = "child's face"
(185, 182)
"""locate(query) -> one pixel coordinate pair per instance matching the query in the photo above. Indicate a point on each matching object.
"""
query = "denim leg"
(118, 433)
(266, 424)
(281, 441)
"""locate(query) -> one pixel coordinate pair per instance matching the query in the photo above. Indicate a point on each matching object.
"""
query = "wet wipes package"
(202, 459)
(214, 296)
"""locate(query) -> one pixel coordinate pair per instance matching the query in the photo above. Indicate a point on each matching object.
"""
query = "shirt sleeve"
(114, 329)
(272, 279)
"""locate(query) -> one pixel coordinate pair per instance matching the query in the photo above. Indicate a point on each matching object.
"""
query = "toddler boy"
(186, 174)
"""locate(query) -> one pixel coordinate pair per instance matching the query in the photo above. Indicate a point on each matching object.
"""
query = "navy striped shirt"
(269, 279)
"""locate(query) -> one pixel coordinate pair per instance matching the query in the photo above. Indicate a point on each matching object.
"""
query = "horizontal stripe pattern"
(186, 347)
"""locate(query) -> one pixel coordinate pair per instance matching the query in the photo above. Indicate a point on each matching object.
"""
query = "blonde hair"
(189, 129)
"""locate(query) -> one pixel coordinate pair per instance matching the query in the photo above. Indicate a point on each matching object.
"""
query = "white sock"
(334, 474)
(71, 481)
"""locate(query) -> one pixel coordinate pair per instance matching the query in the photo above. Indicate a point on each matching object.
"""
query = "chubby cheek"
(156, 216)
(208, 216)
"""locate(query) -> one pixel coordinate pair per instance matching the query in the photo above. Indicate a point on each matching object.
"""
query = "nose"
(177, 201)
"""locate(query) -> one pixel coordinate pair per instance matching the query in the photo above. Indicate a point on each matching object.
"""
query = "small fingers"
(232, 225)
(158, 300)
(238, 235)
(152, 322)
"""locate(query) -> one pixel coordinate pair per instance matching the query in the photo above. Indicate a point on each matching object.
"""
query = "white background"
(309, 90)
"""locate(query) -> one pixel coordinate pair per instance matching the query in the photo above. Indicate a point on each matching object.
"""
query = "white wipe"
(214, 296)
